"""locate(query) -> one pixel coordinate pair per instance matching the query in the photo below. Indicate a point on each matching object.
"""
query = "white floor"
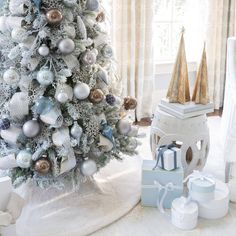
(149, 221)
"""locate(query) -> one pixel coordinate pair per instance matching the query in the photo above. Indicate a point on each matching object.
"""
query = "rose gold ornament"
(130, 103)
(42, 166)
(54, 16)
(96, 95)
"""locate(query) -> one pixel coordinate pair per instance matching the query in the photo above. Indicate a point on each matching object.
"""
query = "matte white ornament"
(105, 143)
(24, 158)
(8, 162)
(124, 126)
(184, 213)
(43, 50)
(64, 93)
(11, 135)
(81, 91)
(17, 7)
(45, 77)
(31, 128)
(5, 189)
(19, 105)
(53, 117)
(17, 34)
(66, 46)
(219, 206)
(11, 76)
(88, 168)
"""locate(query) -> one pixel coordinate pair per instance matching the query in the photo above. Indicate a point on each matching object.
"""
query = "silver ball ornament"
(24, 158)
(45, 77)
(66, 46)
(81, 91)
(62, 97)
(88, 168)
(31, 128)
(43, 50)
(92, 5)
(76, 131)
(124, 127)
(11, 76)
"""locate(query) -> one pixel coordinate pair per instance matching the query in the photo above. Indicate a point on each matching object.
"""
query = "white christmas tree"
(58, 111)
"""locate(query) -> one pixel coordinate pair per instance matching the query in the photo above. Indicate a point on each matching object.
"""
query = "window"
(170, 17)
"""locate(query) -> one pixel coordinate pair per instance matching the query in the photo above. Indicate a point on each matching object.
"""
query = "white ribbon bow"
(199, 175)
(169, 187)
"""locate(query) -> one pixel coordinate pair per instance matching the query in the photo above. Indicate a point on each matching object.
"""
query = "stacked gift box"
(163, 185)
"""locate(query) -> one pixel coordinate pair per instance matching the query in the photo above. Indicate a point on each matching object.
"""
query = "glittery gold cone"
(178, 91)
(200, 91)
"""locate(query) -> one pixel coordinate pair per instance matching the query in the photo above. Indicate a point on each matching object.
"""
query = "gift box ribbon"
(197, 175)
(169, 187)
(160, 155)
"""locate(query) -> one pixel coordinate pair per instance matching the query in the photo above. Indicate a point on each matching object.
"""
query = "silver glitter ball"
(66, 46)
(31, 128)
(88, 168)
(45, 76)
(11, 76)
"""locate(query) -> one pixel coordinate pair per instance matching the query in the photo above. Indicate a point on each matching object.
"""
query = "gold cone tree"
(200, 91)
(178, 91)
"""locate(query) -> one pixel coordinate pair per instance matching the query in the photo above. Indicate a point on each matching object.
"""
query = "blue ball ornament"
(110, 99)
(5, 124)
(43, 105)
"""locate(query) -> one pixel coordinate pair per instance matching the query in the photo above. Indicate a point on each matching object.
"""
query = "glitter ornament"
(81, 91)
(88, 168)
(124, 127)
(89, 58)
(18, 33)
(24, 158)
(92, 5)
(110, 99)
(66, 46)
(43, 50)
(96, 95)
(42, 166)
(45, 76)
(11, 76)
(107, 51)
(31, 128)
(5, 124)
(130, 103)
(54, 17)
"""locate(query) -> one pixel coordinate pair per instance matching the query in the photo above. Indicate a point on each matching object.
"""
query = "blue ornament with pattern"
(108, 132)
(43, 105)
(5, 124)
(110, 99)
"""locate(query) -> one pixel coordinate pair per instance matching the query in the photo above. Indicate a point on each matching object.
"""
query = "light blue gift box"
(154, 182)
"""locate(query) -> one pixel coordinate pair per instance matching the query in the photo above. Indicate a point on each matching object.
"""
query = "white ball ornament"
(66, 46)
(31, 128)
(45, 77)
(24, 158)
(11, 76)
(81, 91)
(88, 168)
(124, 127)
(43, 50)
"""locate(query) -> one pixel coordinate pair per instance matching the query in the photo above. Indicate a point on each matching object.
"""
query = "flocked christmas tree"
(59, 115)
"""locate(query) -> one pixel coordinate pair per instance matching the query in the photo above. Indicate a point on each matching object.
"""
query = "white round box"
(219, 206)
(184, 215)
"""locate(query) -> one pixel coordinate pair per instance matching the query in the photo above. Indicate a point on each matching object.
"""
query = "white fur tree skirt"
(115, 191)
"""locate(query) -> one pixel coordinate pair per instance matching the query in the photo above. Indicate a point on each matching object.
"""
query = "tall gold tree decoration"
(178, 91)
(200, 91)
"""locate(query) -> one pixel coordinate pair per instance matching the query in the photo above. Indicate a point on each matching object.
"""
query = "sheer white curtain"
(221, 25)
(132, 39)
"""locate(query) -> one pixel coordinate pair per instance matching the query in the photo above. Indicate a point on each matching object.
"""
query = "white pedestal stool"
(190, 134)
